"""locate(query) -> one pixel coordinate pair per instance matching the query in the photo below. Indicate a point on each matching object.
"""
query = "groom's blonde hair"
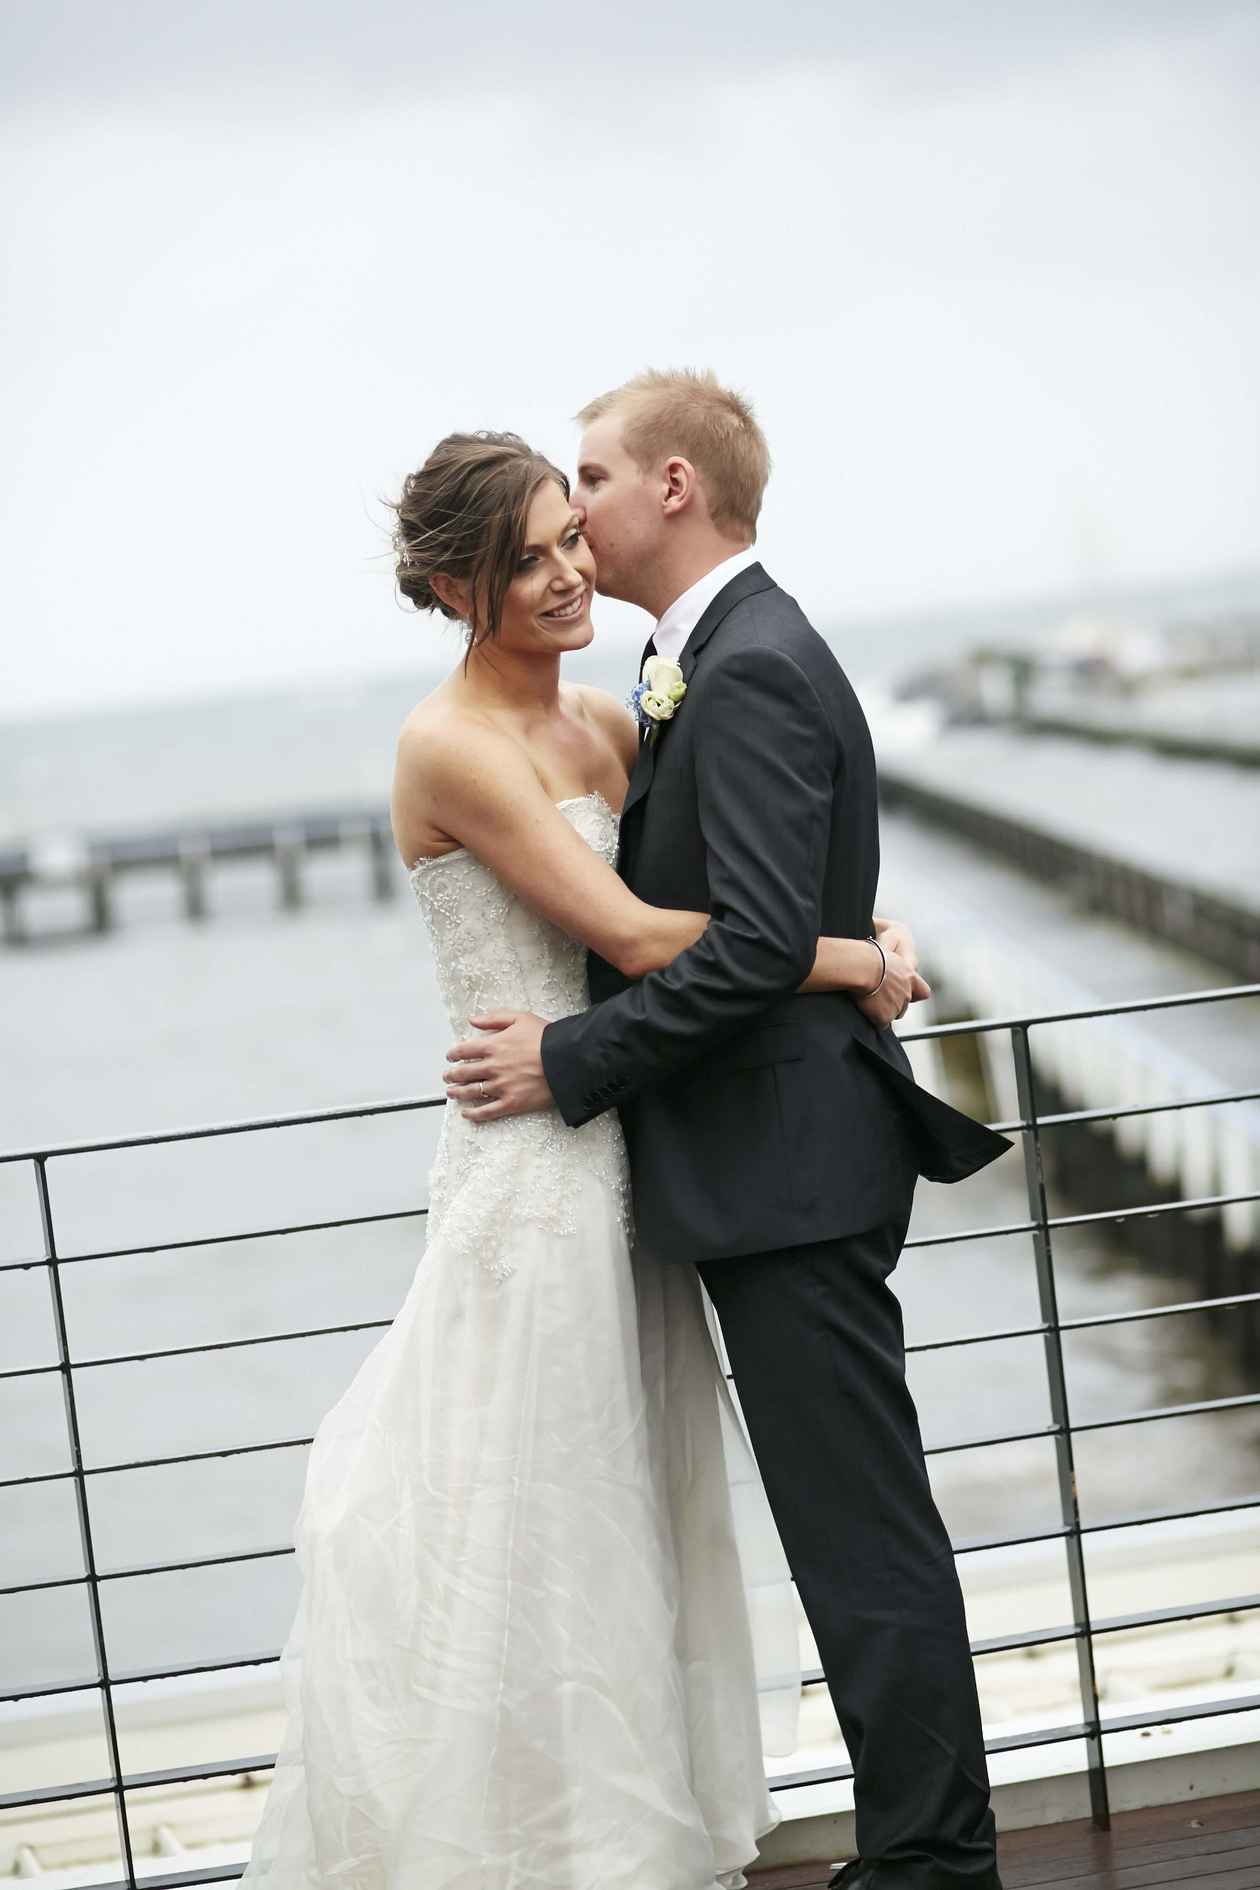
(685, 411)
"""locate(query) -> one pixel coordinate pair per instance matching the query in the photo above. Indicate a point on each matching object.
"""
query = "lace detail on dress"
(492, 951)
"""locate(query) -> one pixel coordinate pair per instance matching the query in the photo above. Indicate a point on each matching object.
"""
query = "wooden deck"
(1207, 1844)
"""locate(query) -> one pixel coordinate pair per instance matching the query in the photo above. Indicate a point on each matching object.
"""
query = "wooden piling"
(12, 929)
(99, 881)
(381, 856)
(289, 851)
(193, 859)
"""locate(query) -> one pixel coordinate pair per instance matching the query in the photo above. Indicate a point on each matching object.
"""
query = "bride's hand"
(902, 987)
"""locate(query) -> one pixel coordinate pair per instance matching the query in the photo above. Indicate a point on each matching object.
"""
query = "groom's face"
(621, 504)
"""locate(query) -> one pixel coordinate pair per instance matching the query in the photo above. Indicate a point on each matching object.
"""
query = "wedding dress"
(545, 1627)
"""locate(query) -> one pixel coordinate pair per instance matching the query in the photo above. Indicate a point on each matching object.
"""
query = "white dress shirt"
(678, 622)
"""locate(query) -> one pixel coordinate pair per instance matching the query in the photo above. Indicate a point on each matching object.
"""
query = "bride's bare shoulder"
(442, 733)
(448, 757)
(609, 715)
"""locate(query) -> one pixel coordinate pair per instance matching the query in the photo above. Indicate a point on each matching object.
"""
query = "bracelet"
(883, 964)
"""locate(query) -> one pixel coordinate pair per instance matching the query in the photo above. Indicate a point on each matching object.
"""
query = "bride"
(545, 1628)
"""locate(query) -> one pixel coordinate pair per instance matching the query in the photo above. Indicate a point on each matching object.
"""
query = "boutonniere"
(655, 698)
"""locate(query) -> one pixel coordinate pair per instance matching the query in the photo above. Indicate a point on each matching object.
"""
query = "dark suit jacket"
(756, 1117)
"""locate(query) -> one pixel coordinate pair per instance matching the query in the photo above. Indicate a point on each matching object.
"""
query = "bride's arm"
(479, 788)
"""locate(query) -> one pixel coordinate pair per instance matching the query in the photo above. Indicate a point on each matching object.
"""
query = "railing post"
(85, 1521)
(1065, 1460)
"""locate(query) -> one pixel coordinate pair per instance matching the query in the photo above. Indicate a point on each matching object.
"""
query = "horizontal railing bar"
(1146, 1518)
(995, 1335)
(136, 1782)
(152, 1568)
(191, 1351)
(140, 1676)
(970, 1233)
(264, 1762)
(1112, 1624)
(346, 1112)
(1179, 1000)
(1136, 1519)
(232, 1345)
(1117, 1215)
(1033, 1638)
(1179, 1715)
(1154, 1415)
(1042, 1435)
(1197, 1407)
(180, 1879)
(1116, 1624)
(1156, 1312)
(1070, 1116)
(1047, 1736)
(1157, 1414)
(1014, 1742)
(218, 1240)
(1153, 1209)
(249, 1125)
(998, 1333)
(978, 1545)
(153, 1463)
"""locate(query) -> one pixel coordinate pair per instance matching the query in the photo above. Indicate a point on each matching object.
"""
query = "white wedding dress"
(545, 1626)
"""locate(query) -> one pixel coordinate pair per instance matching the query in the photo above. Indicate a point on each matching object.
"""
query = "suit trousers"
(815, 1341)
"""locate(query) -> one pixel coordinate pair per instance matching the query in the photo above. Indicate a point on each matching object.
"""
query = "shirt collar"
(678, 622)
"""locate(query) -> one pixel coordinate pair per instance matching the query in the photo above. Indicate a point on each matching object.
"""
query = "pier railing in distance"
(1031, 1126)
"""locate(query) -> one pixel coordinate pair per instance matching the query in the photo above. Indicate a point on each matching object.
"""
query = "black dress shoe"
(855, 1875)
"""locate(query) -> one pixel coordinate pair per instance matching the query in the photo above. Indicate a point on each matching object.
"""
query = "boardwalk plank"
(1058, 1866)
(1208, 1844)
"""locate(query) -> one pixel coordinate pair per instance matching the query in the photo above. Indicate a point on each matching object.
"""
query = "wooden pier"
(1168, 848)
(93, 865)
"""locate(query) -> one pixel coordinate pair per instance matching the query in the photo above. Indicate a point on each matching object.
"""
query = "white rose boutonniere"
(655, 698)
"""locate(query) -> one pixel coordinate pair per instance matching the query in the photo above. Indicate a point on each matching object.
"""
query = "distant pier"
(1169, 847)
(93, 865)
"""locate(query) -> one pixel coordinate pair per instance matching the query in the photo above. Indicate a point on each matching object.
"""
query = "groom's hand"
(500, 1075)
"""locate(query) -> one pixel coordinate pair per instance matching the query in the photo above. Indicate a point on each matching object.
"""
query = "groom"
(775, 1138)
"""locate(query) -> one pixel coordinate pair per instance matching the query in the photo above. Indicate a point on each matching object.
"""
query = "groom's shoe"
(855, 1875)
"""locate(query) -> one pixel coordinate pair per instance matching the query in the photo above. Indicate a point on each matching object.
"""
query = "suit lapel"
(745, 584)
(640, 776)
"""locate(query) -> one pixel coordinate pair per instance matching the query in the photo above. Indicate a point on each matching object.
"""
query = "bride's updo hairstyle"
(464, 514)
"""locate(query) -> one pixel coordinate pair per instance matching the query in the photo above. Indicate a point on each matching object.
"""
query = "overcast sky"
(991, 275)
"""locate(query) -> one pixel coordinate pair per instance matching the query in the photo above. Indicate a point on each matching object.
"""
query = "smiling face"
(547, 606)
(622, 508)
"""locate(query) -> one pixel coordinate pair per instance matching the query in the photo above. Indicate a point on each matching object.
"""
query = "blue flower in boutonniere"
(656, 697)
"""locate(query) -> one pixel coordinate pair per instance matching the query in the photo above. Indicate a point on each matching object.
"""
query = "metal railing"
(1030, 1125)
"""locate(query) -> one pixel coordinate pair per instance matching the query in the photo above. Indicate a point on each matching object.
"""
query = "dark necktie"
(649, 649)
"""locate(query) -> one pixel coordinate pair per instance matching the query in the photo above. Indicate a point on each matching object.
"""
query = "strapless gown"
(545, 1627)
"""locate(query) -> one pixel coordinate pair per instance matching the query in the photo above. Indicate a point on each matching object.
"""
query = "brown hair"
(463, 514)
(684, 411)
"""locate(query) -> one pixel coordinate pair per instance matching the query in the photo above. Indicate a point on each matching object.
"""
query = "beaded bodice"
(492, 951)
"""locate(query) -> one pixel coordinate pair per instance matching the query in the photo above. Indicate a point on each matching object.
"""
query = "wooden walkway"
(1207, 1844)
